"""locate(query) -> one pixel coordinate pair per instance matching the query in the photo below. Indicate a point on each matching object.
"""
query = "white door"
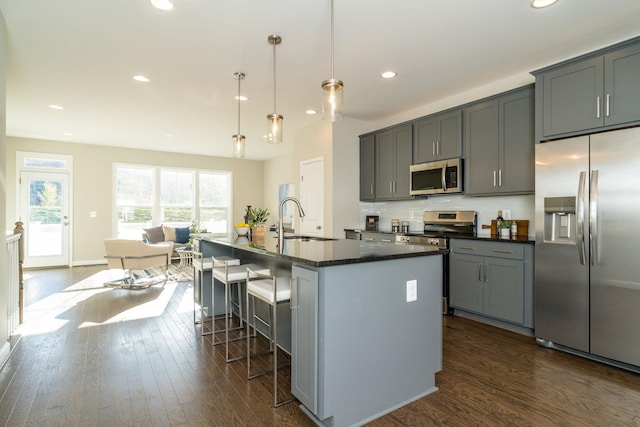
(312, 196)
(44, 210)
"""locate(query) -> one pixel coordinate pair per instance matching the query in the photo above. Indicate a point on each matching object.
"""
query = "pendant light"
(238, 139)
(332, 89)
(274, 121)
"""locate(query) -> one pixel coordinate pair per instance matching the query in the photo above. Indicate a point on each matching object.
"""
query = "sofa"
(179, 236)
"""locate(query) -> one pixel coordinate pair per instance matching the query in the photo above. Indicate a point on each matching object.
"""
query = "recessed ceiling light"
(162, 4)
(242, 98)
(539, 4)
(141, 78)
(388, 74)
(56, 107)
(311, 112)
(67, 134)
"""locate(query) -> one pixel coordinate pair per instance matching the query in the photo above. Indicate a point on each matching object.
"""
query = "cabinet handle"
(368, 239)
(372, 188)
(433, 148)
(385, 240)
(486, 274)
(437, 147)
(502, 251)
(479, 272)
(597, 107)
(607, 105)
(390, 186)
(499, 177)
(494, 178)
(469, 248)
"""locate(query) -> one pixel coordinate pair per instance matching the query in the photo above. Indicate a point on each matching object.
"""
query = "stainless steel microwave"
(441, 177)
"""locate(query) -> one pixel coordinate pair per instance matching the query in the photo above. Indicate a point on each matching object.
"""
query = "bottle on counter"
(395, 225)
(405, 226)
(499, 221)
(514, 229)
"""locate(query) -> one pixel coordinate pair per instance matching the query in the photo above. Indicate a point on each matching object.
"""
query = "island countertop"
(321, 253)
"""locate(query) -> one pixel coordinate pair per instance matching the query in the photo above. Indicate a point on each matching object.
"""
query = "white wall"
(93, 185)
(4, 285)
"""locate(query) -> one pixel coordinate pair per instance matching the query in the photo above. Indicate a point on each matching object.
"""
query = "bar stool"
(272, 290)
(200, 265)
(230, 275)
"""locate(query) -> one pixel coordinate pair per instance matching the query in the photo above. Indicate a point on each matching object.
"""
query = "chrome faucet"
(281, 214)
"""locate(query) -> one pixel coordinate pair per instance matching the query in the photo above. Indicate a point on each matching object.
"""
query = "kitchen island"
(365, 327)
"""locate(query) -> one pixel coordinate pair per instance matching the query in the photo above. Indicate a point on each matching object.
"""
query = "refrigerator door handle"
(593, 216)
(582, 249)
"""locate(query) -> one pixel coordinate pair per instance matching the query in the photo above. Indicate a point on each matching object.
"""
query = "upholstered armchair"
(143, 264)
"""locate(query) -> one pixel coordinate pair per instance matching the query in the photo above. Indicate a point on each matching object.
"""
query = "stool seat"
(263, 289)
(237, 273)
(271, 290)
(207, 264)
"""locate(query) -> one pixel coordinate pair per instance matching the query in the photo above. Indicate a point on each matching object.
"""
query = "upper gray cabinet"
(385, 158)
(367, 168)
(393, 158)
(437, 137)
(499, 144)
(596, 91)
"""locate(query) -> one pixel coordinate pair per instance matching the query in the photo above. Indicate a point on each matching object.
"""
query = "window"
(147, 196)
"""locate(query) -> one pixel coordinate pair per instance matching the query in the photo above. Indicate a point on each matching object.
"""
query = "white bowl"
(242, 231)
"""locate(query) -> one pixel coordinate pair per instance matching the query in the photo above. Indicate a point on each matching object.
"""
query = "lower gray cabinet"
(304, 336)
(493, 279)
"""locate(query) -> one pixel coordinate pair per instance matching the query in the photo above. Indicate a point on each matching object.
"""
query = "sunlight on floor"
(47, 314)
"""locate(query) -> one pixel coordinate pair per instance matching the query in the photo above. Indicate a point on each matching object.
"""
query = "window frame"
(156, 203)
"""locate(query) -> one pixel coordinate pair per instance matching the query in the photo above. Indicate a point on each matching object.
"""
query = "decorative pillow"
(169, 233)
(182, 234)
(155, 234)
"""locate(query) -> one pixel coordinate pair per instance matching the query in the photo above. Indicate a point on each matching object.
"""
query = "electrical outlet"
(506, 213)
(412, 290)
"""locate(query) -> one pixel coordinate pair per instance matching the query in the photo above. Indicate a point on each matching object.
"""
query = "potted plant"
(256, 218)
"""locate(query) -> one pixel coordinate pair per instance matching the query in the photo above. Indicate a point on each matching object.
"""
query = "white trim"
(89, 262)
(5, 352)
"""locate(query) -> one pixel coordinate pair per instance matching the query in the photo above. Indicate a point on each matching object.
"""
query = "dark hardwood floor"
(94, 356)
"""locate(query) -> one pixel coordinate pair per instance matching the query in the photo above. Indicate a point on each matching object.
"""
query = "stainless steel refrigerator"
(587, 263)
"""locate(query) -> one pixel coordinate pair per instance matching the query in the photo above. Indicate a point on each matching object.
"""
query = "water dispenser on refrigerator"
(559, 220)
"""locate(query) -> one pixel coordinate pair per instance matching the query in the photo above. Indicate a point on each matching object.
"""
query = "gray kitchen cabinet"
(499, 142)
(372, 236)
(304, 336)
(492, 279)
(437, 137)
(392, 160)
(367, 168)
(599, 90)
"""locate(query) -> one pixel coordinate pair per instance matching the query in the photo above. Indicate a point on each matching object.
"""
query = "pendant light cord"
(239, 78)
(331, 39)
(274, 78)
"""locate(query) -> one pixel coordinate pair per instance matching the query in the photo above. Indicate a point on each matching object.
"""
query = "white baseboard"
(5, 352)
(95, 262)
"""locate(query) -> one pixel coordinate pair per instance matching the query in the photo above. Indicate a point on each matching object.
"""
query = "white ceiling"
(82, 54)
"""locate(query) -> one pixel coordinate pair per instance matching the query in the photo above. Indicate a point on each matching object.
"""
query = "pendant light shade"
(274, 120)
(332, 89)
(238, 139)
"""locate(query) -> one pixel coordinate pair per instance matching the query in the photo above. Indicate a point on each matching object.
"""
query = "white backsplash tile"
(522, 207)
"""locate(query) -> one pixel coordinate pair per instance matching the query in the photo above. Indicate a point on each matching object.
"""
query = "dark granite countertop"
(321, 253)
(524, 239)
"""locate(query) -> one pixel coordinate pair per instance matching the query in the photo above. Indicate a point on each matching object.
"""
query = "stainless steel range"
(439, 227)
